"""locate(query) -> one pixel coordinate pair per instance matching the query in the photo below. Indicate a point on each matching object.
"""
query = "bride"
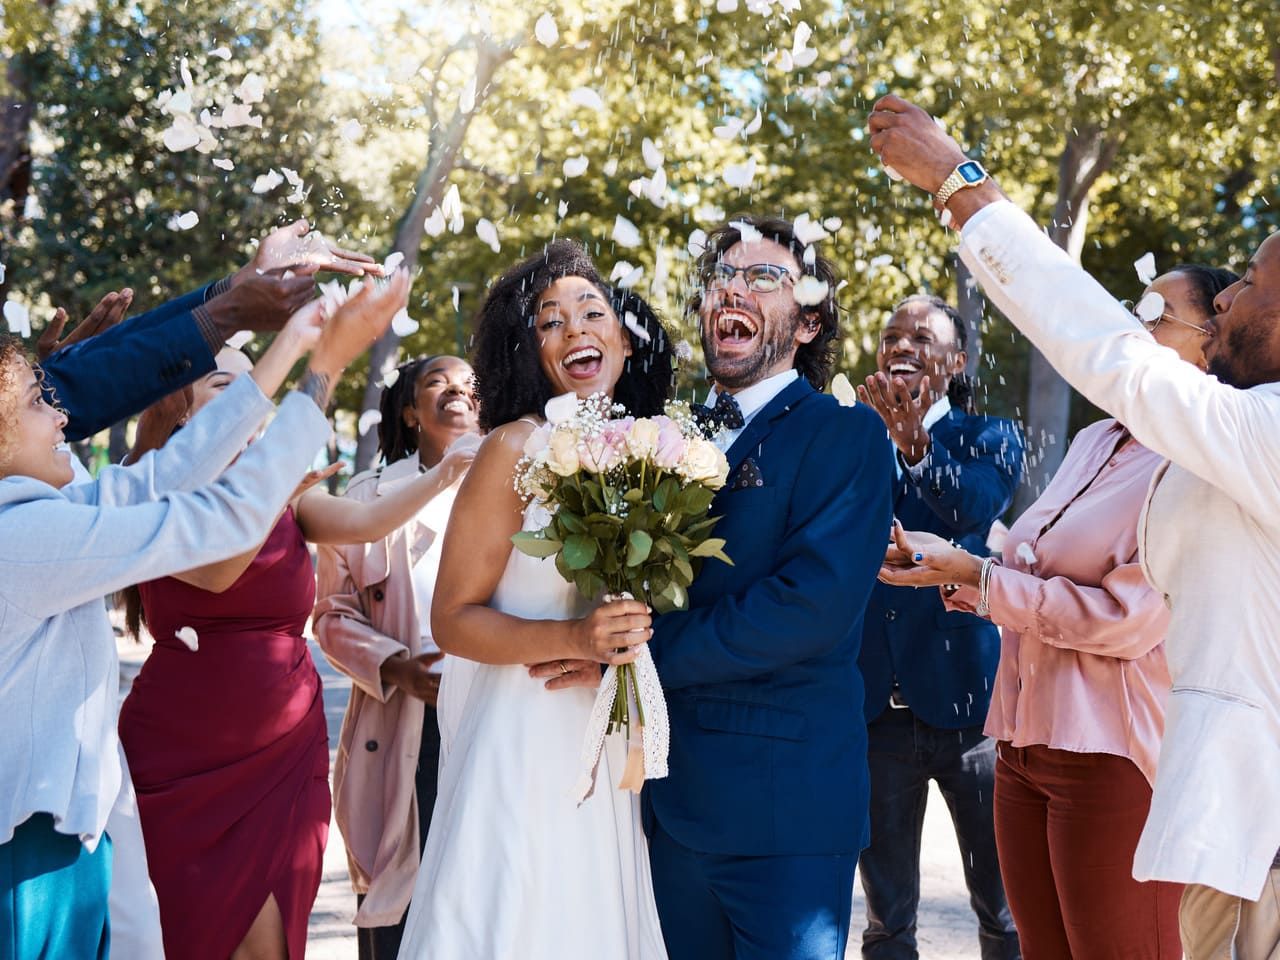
(513, 866)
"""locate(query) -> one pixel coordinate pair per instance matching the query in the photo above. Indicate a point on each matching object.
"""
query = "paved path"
(948, 930)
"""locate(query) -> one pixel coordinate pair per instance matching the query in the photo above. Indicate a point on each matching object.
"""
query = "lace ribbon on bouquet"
(655, 734)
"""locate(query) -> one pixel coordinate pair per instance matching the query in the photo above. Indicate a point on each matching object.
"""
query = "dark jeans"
(904, 754)
(383, 943)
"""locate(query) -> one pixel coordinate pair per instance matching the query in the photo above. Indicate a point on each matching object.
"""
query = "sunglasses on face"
(759, 277)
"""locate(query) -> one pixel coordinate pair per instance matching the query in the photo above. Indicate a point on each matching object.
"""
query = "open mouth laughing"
(583, 363)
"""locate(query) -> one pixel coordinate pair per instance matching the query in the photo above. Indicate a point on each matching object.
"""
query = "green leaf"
(589, 583)
(579, 551)
(639, 544)
(665, 494)
(634, 495)
(534, 544)
(571, 522)
(708, 548)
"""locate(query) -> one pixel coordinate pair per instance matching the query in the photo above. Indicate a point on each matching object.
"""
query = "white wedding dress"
(513, 866)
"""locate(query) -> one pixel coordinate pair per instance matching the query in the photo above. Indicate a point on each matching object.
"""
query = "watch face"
(972, 171)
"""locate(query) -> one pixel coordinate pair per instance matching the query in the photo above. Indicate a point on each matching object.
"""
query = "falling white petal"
(586, 97)
(184, 221)
(873, 232)
(843, 390)
(222, 53)
(810, 291)
(754, 125)
(1026, 554)
(1146, 267)
(240, 338)
(251, 89)
(726, 6)
(697, 242)
(575, 167)
(368, 420)
(1, 273)
(652, 155)
(1150, 308)
(746, 231)
(467, 99)
(223, 164)
(394, 259)
(351, 130)
(457, 294)
(807, 230)
(388, 380)
(625, 275)
(545, 30)
(452, 203)
(632, 323)
(625, 233)
(562, 208)
(18, 318)
(434, 224)
(183, 135)
(267, 182)
(832, 223)
(883, 260)
(190, 639)
(403, 324)
(488, 233)
(810, 256)
(740, 175)
(731, 127)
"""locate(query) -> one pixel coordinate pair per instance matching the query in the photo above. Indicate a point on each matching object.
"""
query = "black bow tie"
(725, 415)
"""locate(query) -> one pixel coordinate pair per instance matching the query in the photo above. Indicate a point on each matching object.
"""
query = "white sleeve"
(1225, 436)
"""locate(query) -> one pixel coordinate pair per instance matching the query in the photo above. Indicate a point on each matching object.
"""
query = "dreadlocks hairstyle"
(396, 439)
(1206, 283)
(509, 380)
(814, 359)
(961, 390)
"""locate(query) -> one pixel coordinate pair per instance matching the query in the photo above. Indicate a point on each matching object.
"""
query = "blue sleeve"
(124, 370)
(840, 513)
(970, 489)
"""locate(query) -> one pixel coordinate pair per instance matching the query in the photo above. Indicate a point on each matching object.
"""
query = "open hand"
(109, 311)
(903, 415)
(413, 676)
(359, 321)
(917, 559)
(261, 301)
(613, 632)
(296, 246)
(314, 477)
(561, 674)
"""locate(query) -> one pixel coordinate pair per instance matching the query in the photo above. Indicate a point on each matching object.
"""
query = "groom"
(754, 836)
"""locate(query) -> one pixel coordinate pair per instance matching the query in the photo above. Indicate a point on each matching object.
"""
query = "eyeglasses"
(1157, 302)
(759, 277)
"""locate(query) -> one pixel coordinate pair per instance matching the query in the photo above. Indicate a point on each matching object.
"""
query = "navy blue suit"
(943, 664)
(754, 834)
(125, 369)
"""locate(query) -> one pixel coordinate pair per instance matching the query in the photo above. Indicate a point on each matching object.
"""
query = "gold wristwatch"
(967, 174)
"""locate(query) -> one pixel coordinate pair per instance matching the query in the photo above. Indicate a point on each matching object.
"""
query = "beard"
(777, 338)
(1238, 362)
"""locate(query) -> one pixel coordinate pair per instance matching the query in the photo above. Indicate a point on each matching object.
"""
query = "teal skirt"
(53, 895)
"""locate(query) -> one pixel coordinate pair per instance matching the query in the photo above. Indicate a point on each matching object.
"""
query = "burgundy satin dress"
(230, 753)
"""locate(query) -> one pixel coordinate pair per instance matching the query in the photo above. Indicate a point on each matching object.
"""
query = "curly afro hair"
(509, 380)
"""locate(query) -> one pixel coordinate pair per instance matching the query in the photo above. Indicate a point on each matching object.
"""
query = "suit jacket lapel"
(762, 423)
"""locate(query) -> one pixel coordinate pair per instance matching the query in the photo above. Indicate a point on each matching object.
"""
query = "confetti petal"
(808, 231)
(1150, 308)
(740, 175)
(434, 224)
(884, 260)
(351, 130)
(746, 231)
(239, 339)
(222, 53)
(697, 242)
(467, 99)
(832, 223)
(632, 323)
(586, 97)
(403, 324)
(189, 638)
(1026, 554)
(1146, 267)
(652, 155)
(625, 233)
(394, 259)
(267, 182)
(223, 164)
(18, 317)
(625, 275)
(843, 391)
(368, 420)
(562, 208)
(488, 233)
(810, 291)
(184, 221)
(545, 32)
(388, 380)
(251, 89)
(575, 167)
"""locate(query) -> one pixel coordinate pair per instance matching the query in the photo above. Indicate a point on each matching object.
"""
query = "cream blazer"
(1210, 543)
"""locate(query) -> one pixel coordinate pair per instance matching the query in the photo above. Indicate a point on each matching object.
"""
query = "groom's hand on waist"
(561, 674)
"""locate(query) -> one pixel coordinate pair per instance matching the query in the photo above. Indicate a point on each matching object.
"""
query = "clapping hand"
(917, 559)
(299, 248)
(109, 311)
(903, 414)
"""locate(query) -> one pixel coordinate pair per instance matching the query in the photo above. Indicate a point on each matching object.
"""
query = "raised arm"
(477, 547)
(825, 567)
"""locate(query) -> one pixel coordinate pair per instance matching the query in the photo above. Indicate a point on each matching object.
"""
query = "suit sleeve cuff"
(976, 220)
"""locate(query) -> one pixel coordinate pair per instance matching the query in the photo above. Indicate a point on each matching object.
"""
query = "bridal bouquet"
(629, 499)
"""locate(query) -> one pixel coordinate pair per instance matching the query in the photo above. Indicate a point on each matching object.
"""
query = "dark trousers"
(904, 754)
(721, 907)
(1067, 825)
(383, 943)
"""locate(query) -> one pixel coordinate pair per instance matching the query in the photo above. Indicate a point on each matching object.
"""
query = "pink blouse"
(1082, 664)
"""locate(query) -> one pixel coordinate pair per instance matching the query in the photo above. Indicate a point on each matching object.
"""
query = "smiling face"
(34, 446)
(1243, 349)
(919, 341)
(230, 364)
(582, 347)
(748, 336)
(444, 405)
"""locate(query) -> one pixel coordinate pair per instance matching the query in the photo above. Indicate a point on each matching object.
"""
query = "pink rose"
(601, 453)
(671, 447)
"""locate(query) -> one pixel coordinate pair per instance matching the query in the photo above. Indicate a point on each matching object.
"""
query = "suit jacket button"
(371, 745)
(891, 614)
(379, 595)
(186, 364)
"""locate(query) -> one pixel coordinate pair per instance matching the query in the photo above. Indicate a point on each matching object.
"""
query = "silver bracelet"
(983, 609)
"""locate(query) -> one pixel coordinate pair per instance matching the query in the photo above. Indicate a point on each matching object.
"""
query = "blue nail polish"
(917, 557)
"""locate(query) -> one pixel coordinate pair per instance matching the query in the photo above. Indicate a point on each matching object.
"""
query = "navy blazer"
(768, 754)
(124, 370)
(944, 662)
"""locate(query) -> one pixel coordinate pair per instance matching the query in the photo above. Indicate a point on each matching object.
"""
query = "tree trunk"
(15, 150)
(1089, 152)
(429, 189)
(971, 306)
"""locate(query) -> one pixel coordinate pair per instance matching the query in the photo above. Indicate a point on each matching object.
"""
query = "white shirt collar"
(940, 409)
(751, 400)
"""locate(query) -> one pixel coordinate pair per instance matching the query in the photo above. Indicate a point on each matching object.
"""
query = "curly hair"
(509, 380)
(11, 352)
(961, 391)
(814, 360)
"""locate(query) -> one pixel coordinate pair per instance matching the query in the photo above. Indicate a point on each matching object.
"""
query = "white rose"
(562, 453)
(642, 439)
(703, 463)
(562, 408)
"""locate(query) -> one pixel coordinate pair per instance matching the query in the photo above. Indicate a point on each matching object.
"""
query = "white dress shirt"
(1209, 540)
(751, 400)
(936, 412)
